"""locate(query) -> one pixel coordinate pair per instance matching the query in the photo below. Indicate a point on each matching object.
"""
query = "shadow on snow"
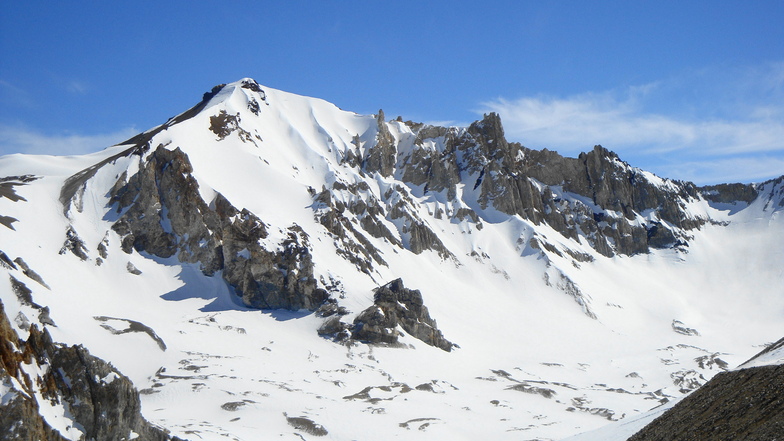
(197, 285)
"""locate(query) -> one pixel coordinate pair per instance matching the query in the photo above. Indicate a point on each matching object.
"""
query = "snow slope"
(531, 363)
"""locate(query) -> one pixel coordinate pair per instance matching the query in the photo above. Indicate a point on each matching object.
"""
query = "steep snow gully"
(268, 265)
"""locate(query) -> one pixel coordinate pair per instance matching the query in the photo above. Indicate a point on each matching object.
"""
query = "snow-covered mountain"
(266, 264)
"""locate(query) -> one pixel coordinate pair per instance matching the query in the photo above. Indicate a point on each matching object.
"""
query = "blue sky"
(689, 90)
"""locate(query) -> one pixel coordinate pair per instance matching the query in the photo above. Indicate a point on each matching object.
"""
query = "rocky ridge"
(595, 197)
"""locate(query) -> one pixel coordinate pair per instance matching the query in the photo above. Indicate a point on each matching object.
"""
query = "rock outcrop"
(727, 193)
(395, 305)
(771, 192)
(381, 156)
(595, 196)
(102, 403)
(7, 191)
(351, 244)
(162, 213)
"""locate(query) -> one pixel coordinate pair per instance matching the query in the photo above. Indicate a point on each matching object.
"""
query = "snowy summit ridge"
(281, 263)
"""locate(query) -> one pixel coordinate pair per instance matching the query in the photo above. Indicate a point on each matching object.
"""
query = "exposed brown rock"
(101, 401)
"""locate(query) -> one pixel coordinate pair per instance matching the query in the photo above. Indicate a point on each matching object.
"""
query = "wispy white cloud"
(724, 170)
(581, 121)
(77, 87)
(11, 95)
(741, 138)
(447, 123)
(26, 140)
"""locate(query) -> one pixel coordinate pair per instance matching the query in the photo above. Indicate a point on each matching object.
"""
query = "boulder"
(397, 306)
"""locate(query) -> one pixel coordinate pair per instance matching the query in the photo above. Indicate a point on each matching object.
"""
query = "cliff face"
(160, 211)
(610, 205)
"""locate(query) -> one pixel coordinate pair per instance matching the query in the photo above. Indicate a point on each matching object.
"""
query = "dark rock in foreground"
(747, 404)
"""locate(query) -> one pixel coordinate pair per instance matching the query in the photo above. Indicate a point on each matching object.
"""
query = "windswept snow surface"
(772, 355)
(530, 364)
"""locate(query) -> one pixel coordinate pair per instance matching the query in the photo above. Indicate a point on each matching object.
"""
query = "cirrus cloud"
(25, 140)
(745, 141)
(575, 122)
